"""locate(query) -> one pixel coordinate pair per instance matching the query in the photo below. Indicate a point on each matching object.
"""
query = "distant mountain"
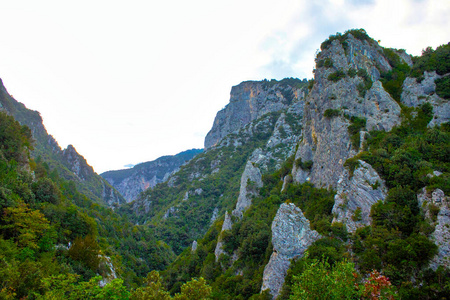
(131, 182)
(68, 163)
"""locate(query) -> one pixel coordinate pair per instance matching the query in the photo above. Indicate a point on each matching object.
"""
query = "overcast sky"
(129, 81)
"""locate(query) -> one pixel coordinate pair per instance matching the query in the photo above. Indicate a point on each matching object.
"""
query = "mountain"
(131, 182)
(330, 188)
(351, 166)
(52, 234)
(184, 207)
(68, 163)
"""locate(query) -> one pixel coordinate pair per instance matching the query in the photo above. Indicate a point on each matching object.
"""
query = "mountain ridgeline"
(131, 182)
(345, 176)
(343, 167)
(67, 163)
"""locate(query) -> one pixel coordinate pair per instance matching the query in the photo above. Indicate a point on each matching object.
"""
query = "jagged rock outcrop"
(76, 163)
(326, 140)
(227, 225)
(280, 145)
(291, 236)
(249, 101)
(69, 164)
(436, 207)
(355, 196)
(109, 271)
(251, 180)
(416, 93)
(131, 182)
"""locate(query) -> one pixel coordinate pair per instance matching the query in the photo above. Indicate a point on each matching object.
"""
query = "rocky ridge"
(249, 101)
(291, 236)
(131, 182)
(68, 162)
(326, 140)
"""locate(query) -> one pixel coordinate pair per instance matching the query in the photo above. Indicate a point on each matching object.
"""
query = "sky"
(129, 81)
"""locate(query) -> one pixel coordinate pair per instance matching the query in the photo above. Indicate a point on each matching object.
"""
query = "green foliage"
(310, 84)
(351, 73)
(15, 139)
(359, 34)
(331, 113)
(316, 204)
(336, 76)
(65, 287)
(443, 87)
(366, 84)
(327, 63)
(321, 281)
(86, 250)
(393, 80)
(356, 125)
(357, 214)
(432, 60)
(307, 165)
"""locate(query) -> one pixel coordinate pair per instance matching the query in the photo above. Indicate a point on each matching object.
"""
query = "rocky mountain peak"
(250, 100)
(346, 100)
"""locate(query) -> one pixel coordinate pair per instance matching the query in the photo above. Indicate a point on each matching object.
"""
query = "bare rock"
(227, 224)
(291, 236)
(250, 180)
(325, 140)
(416, 93)
(356, 195)
(249, 101)
(441, 234)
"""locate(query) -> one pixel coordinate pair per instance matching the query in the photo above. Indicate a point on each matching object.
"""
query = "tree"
(196, 289)
(24, 225)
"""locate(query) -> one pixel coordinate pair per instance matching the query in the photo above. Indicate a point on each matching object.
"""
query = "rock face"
(291, 236)
(249, 101)
(68, 162)
(76, 163)
(416, 93)
(227, 225)
(441, 234)
(131, 182)
(356, 195)
(326, 141)
(250, 181)
(286, 134)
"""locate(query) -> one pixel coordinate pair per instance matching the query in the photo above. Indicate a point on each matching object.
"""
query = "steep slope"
(51, 235)
(374, 133)
(68, 163)
(183, 208)
(250, 100)
(131, 182)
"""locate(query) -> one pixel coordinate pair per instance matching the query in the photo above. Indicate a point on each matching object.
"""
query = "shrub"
(327, 63)
(366, 84)
(443, 87)
(330, 113)
(351, 72)
(356, 125)
(336, 76)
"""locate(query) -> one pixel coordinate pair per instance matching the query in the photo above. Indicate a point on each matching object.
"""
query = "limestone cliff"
(291, 236)
(416, 93)
(249, 101)
(355, 196)
(343, 89)
(436, 207)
